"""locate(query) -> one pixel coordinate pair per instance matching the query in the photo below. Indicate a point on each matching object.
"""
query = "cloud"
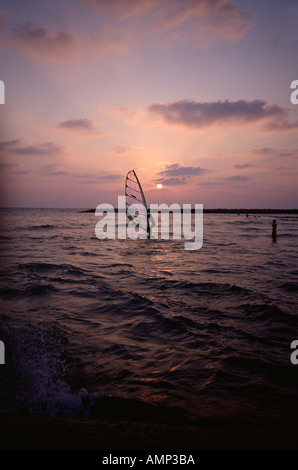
(237, 178)
(199, 21)
(111, 40)
(197, 115)
(123, 149)
(40, 149)
(60, 173)
(282, 125)
(102, 177)
(39, 41)
(47, 148)
(171, 181)
(228, 181)
(271, 154)
(244, 166)
(7, 166)
(127, 114)
(124, 24)
(177, 173)
(206, 20)
(177, 169)
(125, 8)
(74, 124)
(80, 125)
(9, 144)
(229, 22)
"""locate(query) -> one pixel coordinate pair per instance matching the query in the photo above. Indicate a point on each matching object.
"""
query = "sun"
(159, 186)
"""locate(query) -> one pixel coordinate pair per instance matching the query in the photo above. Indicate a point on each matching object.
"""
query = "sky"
(195, 95)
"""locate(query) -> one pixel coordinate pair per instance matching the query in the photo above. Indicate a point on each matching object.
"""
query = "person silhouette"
(274, 227)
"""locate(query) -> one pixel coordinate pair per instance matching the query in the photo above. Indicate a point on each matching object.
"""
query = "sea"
(145, 330)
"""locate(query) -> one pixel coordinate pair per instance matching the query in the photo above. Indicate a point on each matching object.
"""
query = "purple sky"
(192, 94)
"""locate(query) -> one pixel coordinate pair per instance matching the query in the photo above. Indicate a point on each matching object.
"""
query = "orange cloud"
(199, 21)
(206, 20)
(127, 114)
(126, 8)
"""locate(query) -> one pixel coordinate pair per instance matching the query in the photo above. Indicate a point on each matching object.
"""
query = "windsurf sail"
(136, 207)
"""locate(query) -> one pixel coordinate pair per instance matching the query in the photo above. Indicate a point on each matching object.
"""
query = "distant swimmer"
(274, 226)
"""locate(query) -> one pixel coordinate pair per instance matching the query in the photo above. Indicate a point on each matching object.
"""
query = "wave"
(41, 227)
(95, 405)
(204, 287)
(42, 267)
(96, 327)
(65, 404)
(264, 312)
(40, 377)
(31, 290)
(290, 286)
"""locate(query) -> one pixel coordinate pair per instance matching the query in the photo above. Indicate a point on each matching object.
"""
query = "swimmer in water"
(274, 229)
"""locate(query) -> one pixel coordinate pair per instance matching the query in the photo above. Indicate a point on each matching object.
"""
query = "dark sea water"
(144, 329)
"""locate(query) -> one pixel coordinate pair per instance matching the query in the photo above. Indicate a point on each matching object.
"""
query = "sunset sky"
(192, 94)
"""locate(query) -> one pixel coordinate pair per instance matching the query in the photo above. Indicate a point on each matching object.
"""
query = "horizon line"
(210, 210)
